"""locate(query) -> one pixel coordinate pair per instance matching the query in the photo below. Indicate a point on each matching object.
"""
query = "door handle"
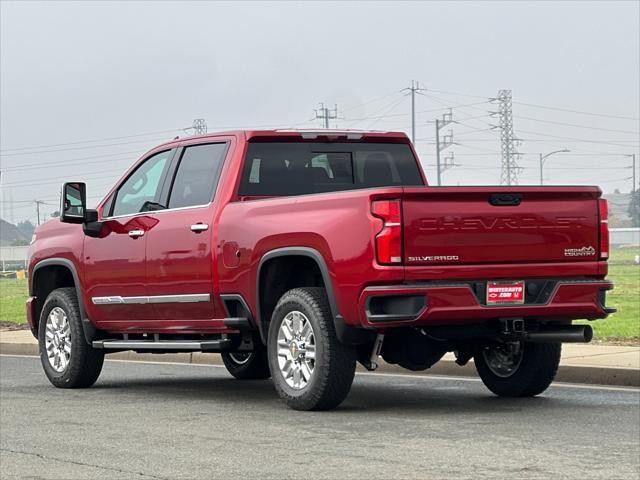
(136, 233)
(199, 227)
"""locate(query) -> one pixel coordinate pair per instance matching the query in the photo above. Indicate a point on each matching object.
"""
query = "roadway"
(165, 421)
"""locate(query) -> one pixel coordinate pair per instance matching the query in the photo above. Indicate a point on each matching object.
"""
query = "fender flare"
(345, 333)
(90, 332)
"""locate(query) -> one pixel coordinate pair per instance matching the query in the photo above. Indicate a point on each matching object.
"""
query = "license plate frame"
(509, 292)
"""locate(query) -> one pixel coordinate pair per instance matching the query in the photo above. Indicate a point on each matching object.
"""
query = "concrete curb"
(592, 375)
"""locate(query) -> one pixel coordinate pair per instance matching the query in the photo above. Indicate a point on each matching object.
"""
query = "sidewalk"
(581, 363)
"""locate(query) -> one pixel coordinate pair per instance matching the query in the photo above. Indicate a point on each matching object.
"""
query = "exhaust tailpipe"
(560, 334)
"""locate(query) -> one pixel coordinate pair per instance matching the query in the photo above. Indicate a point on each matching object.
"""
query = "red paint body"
(449, 235)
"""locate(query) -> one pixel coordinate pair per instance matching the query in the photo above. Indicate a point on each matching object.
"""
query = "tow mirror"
(73, 202)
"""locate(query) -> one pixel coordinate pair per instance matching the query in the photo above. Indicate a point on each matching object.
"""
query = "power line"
(394, 102)
(79, 142)
(29, 166)
(577, 139)
(85, 147)
(30, 182)
(390, 109)
(622, 117)
(431, 110)
(580, 112)
(579, 126)
(374, 100)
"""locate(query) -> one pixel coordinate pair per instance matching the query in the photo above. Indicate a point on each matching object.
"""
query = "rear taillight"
(389, 239)
(603, 209)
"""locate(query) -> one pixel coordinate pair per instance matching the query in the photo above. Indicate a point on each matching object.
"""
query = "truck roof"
(306, 134)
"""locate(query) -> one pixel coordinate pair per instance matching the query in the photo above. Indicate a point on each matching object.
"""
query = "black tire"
(248, 366)
(334, 364)
(85, 362)
(532, 376)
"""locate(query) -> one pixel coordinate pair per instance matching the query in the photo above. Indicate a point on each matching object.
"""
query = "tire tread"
(333, 383)
(86, 362)
(534, 375)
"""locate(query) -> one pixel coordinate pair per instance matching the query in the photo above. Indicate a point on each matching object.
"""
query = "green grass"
(13, 294)
(625, 324)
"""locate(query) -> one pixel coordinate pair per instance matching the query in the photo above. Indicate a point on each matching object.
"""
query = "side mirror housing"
(73, 203)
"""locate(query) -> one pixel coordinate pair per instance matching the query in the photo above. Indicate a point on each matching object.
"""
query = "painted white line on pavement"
(395, 375)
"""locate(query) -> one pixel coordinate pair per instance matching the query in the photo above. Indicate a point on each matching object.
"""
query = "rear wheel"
(68, 360)
(247, 365)
(311, 369)
(518, 369)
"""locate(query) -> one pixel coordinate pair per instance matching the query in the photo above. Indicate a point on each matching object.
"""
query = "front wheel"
(311, 369)
(518, 369)
(68, 360)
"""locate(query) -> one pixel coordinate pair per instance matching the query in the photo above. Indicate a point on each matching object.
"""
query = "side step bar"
(165, 345)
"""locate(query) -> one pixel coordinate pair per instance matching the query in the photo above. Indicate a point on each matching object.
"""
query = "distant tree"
(21, 242)
(617, 191)
(26, 228)
(634, 208)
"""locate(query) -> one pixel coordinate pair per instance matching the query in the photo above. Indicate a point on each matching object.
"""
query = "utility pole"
(447, 118)
(325, 114)
(633, 174)
(199, 126)
(543, 158)
(413, 89)
(449, 162)
(38, 203)
(508, 142)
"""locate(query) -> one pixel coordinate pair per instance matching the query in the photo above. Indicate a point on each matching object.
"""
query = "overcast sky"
(128, 75)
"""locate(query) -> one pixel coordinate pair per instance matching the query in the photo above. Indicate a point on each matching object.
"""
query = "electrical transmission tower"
(199, 126)
(447, 141)
(508, 141)
(413, 89)
(325, 114)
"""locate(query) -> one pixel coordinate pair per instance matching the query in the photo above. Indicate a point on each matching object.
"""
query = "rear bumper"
(456, 303)
(31, 309)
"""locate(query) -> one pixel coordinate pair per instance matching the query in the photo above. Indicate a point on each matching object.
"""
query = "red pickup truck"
(297, 254)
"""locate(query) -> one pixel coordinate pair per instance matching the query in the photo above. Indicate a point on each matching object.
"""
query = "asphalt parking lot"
(159, 420)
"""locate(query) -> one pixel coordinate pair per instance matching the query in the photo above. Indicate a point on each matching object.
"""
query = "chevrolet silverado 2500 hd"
(297, 254)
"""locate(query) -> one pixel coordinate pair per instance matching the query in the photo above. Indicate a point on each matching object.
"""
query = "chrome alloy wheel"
(58, 339)
(296, 350)
(504, 360)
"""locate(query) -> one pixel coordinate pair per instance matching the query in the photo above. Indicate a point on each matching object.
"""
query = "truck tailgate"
(476, 225)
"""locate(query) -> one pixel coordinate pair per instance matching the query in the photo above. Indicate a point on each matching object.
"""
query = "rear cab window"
(298, 168)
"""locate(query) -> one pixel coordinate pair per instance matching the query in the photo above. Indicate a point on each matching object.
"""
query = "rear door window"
(197, 175)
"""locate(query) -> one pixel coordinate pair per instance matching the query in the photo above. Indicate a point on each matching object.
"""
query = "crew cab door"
(180, 251)
(114, 263)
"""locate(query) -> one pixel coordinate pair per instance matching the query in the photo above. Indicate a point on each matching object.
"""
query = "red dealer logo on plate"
(505, 292)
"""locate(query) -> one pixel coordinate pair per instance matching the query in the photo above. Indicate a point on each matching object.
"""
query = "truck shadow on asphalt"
(430, 397)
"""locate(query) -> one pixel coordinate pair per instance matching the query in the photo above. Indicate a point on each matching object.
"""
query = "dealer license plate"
(500, 293)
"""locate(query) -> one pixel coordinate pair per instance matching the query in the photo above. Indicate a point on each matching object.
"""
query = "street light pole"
(543, 158)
